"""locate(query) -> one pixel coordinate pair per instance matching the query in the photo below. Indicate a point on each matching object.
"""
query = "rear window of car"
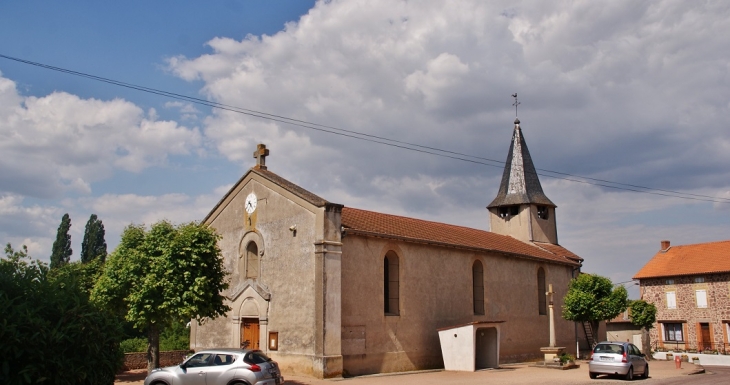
(256, 358)
(609, 348)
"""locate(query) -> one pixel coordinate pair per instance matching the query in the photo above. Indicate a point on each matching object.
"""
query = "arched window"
(477, 274)
(391, 287)
(252, 260)
(541, 290)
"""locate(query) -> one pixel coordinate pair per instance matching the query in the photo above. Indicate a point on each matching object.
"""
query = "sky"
(634, 93)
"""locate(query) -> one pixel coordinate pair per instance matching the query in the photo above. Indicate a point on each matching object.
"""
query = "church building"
(329, 290)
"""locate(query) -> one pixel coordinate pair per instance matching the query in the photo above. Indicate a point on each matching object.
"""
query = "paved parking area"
(507, 374)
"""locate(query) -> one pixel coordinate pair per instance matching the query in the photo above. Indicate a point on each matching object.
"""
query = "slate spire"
(520, 183)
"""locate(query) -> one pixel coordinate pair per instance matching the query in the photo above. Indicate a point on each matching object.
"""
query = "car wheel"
(646, 372)
(630, 374)
(592, 375)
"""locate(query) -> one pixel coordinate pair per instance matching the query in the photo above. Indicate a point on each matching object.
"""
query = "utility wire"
(379, 139)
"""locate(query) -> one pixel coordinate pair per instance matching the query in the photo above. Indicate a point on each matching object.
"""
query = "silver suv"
(220, 367)
(620, 358)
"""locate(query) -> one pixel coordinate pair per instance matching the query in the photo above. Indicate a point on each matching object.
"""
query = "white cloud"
(625, 91)
(631, 92)
(61, 142)
(441, 74)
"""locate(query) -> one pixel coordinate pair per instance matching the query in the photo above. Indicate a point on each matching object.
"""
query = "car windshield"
(609, 348)
(256, 358)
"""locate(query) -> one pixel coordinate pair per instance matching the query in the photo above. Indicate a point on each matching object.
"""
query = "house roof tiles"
(700, 258)
(370, 223)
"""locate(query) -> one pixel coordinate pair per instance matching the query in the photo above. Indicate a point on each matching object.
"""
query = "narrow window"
(541, 290)
(391, 284)
(673, 332)
(477, 274)
(671, 300)
(542, 212)
(699, 279)
(701, 296)
(670, 282)
(252, 260)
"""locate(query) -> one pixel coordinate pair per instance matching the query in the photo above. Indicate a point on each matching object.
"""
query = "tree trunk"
(153, 348)
(646, 343)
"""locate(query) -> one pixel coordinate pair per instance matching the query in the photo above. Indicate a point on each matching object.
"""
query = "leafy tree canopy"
(592, 298)
(160, 276)
(642, 313)
(94, 244)
(61, 251)
(50, 332)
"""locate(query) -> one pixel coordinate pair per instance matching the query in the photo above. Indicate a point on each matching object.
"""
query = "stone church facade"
(328, 290)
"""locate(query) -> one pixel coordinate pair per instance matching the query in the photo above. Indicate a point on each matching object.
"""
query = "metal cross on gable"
(260, 154)
(516, 103)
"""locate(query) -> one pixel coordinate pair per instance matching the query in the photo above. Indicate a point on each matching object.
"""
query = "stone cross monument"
(551, 351)
(260, 154)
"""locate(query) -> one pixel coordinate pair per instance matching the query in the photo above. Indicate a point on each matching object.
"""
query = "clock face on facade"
(251, 203)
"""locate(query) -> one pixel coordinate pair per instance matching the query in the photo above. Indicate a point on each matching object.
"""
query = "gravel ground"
(507, 374)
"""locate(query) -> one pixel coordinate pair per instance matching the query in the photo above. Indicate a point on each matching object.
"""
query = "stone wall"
(687, 312)
(139, 360)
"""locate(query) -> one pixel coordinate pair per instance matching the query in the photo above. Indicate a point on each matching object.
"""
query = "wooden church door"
(250, 333)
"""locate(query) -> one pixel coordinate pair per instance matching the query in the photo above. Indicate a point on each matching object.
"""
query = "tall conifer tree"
(61, 252)
(94, 244)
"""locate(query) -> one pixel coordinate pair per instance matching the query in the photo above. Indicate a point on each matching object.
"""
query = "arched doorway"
(250, 332)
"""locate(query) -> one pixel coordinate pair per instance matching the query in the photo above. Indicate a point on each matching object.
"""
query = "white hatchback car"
(618, 358)
(220, 367)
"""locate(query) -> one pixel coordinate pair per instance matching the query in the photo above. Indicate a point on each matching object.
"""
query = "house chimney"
(665, 245)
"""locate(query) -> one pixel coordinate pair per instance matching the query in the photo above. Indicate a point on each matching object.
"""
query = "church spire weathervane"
(516, 103)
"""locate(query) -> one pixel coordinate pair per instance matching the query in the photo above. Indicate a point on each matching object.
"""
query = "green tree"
(643, 314)
(93, 245)
(50, 332)
(592, 298)
(61, 252)
(157, 277)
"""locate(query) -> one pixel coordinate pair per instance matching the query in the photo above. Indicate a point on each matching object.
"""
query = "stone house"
(690, 286)
(328, 290)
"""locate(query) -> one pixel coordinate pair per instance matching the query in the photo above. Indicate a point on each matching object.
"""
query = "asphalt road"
(713, 375)
(662, 372)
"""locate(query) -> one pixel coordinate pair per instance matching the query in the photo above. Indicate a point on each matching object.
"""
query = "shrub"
(51, 333)
(174, 337)
(565, 357)
(133, 345)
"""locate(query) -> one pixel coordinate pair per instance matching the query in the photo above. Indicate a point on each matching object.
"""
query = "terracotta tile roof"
(559, 250)
(701, 258)
(369, 223)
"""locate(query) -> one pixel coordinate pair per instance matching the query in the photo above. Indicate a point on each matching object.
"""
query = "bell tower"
(521, 209)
